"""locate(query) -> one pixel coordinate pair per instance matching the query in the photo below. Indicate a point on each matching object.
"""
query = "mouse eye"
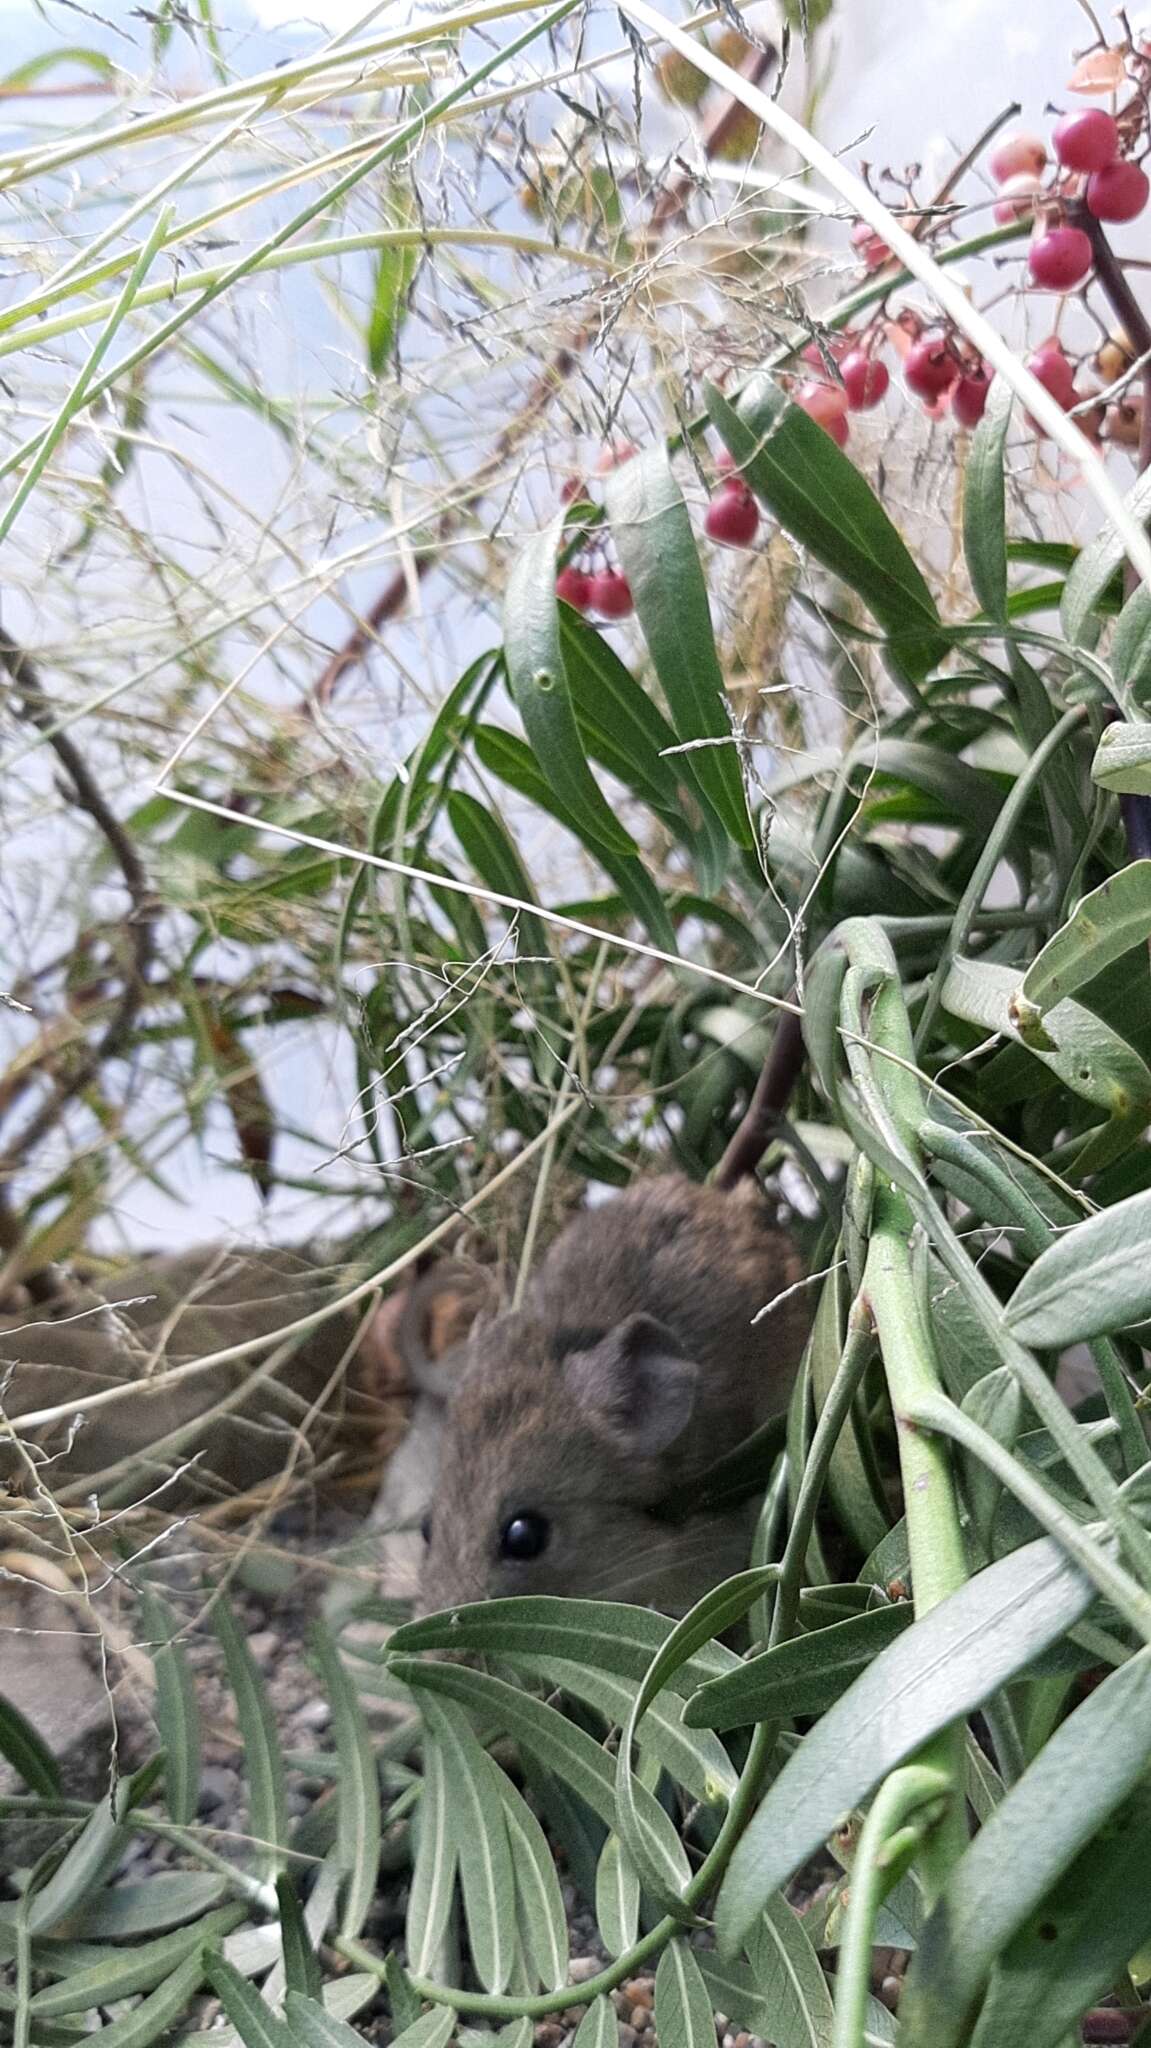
(426, 1528)
(524, 1536)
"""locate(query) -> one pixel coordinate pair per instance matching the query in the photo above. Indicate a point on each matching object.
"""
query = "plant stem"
(900, 1796)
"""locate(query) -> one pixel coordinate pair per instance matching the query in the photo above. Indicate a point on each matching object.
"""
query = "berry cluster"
(1090, 166)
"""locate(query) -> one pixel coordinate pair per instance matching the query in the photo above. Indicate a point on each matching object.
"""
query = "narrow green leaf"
(1122, 761)
(358, 1836)
(157, 2014)
(434, 2030)
(598, 2027)
(1130, 655)
(803, 1676)
(129, 1970)
(656, 546)
(1088, 1766)
(1078, 1940)
(434, 1873)
(255, 2023)
(788, 1971)
(622, 727)
(1090, 575)
(984, 514)
(826, 505)
(1088, 1057)
(604, 1633)
(616, 1897)
(486, 1878)
(27, 1753)
(995, 1402)
(312, 2026)
(496, 860)
(166, 1900)
(395, 269)
(177, 1709)
(95, 1852)
(683, 2014)
(941, 1668)
(264, 1764)
(1103, 926)
(1093, 1280)
(696, 1761)
(538, 682)
(403, 2000)
(543, 1919)
(301, 1964)
(557, 1744)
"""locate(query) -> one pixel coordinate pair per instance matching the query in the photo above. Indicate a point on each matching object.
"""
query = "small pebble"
(264, 1645)
(218, 1787)
(583, 1967)
(627, 2037)
(549, 2034)
(314, 1714)
(639, 1990)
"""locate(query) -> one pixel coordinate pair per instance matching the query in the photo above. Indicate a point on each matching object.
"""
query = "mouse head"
(557, 1443)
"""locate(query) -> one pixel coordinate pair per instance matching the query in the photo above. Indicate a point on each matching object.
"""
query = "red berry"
(732, 518)
(870, 246)
(1086, 140)
(1050, 367)
(571, 489)
(969, 396)
(574, 587)
(1060, 258)
(1016, 155)
(864, 380)
(610, 595)
(1017, 199)
(929, 368)
(819, 353)
(611, 456)
(1118, 192)
(826, 404)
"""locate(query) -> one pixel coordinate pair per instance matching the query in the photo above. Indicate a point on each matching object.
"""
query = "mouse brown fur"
(632, 1364)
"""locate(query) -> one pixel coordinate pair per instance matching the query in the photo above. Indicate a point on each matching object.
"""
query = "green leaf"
(358, 1827)
(1088, 1057)
(787, 1969)
(1130, 656)
(1103, 926)
(603, 1633)
(434, 1872)
(126, 1971)
(35, 68)
(495, 859)
(543, 1920)
(486, 1877)
(395, 269)
(254, 2021)
(301, 1964)
(1122, 760)
(1092, 1762)
(821, 499)
(995, 1402)
(656, 546)
(598, 2027)
(177, 1710)
(803, 1676)
(1096, 565)
(157, 2014)
(95, 1852)
(167, 1900)
(683, 2014)
(556, 1743)
(1079, 1938)
(616, 1897)
(696, 1761)
(939, 1669)
(263, 1762)
(622, 728)
(434, 2030)
(27, 1753)
(984, 516)
(312, 2026)
(1093, 1280)
(509, 758)
(538, 682)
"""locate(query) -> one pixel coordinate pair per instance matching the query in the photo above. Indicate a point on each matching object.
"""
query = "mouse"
(638, 1355)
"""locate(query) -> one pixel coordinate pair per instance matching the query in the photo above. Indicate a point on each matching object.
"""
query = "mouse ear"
(438, 1312)
(635, 1384)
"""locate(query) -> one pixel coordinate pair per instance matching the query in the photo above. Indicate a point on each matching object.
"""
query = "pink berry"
(929, 367)
(1017, 198)
(611, 456)
(571, 489)
(864, 380)
(1118, 192)
(574, 587)
(969, 396)
(826, 404)
(1050, 367)
(819, 353)
(1060, 258)
(1016, 156)
(870, 246)
(732, 518)
(610, 595)
(1086, 140)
